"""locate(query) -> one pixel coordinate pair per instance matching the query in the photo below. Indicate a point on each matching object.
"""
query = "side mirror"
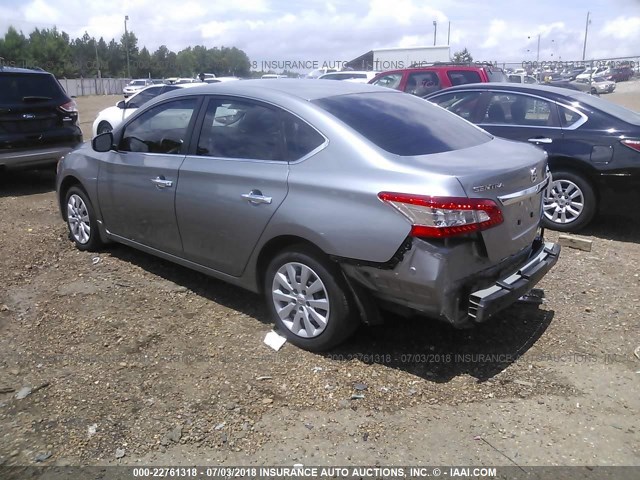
(102, 142)
(121, 104)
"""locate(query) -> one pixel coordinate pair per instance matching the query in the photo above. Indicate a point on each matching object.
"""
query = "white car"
(522, 78)
(349, 76)
(221, 79)
(135, 86)
(602, 85)
(592, 72)
(111, 117)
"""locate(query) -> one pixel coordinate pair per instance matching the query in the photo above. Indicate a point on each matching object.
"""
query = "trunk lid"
(512, 174)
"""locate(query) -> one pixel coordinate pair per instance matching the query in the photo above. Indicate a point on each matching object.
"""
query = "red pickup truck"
(422, 81)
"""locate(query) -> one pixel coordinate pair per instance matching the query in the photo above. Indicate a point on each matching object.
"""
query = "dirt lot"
(132, 360)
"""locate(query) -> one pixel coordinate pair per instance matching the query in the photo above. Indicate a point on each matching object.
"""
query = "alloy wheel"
(300, 299)
(564, 202)
(78, 219)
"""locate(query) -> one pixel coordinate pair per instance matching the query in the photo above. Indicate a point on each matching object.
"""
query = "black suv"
(38, 120)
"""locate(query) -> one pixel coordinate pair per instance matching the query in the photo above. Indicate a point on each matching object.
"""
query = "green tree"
(50, 50)
(14, 49)
(462, 56)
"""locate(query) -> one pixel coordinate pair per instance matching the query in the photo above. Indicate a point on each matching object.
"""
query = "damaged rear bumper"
(453, 282)
(484, 303)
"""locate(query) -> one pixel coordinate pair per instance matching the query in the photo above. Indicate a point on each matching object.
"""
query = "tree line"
(56, 52)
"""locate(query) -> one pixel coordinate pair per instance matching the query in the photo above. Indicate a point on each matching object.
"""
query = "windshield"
(404, 124)
(137, 83)
(496, 75)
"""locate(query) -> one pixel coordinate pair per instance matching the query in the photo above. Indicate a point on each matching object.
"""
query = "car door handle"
(541, 140)
(255, 197)
(160, 182)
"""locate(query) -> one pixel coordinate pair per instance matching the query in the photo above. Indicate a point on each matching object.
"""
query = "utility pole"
(95, 44)
(449, 34)
(586, 31)
(126, 44)
(435, 31)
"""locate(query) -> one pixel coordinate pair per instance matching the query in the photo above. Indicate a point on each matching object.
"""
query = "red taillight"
(633, 144)
(442, 217)
(70, 107)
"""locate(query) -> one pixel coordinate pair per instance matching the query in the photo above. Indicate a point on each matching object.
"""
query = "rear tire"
(570, 202)
(81, 220)
(309, 300)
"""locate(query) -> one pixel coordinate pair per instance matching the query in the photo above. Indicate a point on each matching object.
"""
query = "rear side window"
(403, 124)
(300, 138)
(241, 129)
(19, 88)
(460, 77)
(422, 83)
(568, 117)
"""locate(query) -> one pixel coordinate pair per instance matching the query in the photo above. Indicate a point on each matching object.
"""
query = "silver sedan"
(335, 200)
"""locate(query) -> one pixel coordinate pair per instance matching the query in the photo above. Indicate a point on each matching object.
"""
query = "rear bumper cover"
(484, 303)
(453, 282)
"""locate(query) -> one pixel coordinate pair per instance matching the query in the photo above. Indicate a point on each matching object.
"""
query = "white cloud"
(39, 11)
(343, 29)
(623, 28)
(497, 33)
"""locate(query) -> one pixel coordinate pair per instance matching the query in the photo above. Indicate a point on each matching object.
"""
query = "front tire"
(309, 300)
(569, 203)
(104, 127)
(81, 220)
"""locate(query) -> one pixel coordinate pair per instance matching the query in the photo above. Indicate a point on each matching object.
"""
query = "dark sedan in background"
(593, 144)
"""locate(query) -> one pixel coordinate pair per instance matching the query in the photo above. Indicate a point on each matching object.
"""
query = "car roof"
(23, 70)
(537, 89)
(301, 88)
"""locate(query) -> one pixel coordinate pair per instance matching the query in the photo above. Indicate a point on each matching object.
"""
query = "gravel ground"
(133, 360)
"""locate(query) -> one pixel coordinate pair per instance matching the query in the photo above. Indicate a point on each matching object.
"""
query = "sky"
(327, 31)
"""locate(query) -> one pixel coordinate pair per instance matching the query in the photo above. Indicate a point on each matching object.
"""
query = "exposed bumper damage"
(454, 281)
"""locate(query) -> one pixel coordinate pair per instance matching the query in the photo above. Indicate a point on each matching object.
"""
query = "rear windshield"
(496, 75)
(403, 124)
(607, 107)
(28, 87)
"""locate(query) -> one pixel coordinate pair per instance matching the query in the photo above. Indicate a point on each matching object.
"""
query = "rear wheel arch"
(277, 245)
(576, 167)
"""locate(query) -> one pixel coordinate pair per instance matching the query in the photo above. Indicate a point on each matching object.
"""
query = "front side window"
(461, 103)
(161, 129)
(390, 81)
(241, 129)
